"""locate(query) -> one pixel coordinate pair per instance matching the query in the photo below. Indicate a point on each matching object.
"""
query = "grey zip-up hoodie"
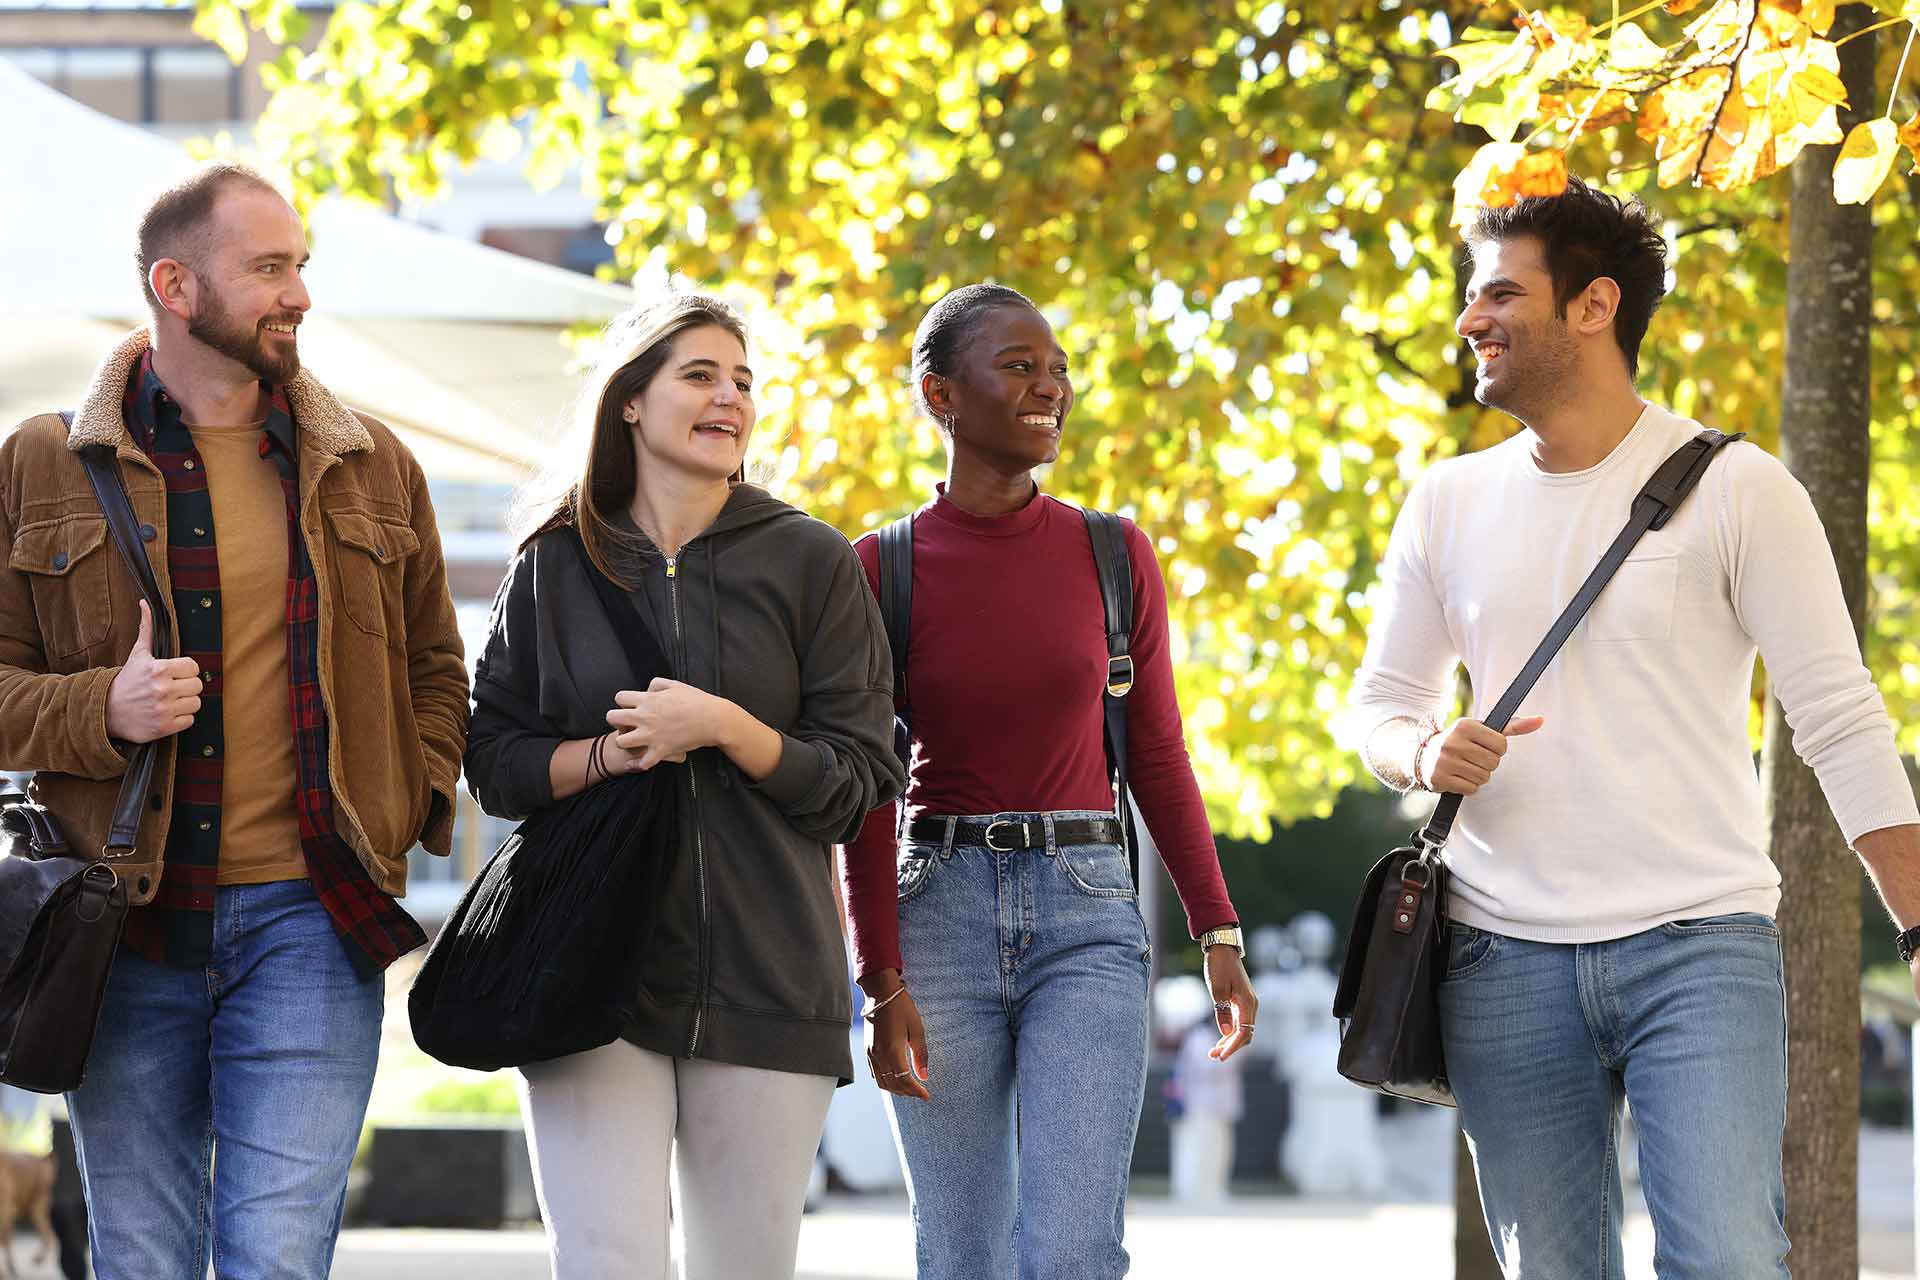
(769, 608)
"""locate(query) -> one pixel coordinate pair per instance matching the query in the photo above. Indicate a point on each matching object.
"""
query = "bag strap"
(644, 654)
(896, 596)
(1115, 568)
(1653, 506)
(103, 472)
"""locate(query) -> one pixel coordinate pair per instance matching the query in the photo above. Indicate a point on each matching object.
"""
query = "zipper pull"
(670, 563)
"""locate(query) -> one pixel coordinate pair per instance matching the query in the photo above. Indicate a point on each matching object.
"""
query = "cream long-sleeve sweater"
(1638, 801)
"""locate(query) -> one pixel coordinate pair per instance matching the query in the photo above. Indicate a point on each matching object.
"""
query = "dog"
(26, 1191)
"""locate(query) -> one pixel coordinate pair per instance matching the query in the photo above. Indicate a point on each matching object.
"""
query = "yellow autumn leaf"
(1678, 7)
(1818, 14)
(1470, 188)
(1632, 49)
(1865, 160)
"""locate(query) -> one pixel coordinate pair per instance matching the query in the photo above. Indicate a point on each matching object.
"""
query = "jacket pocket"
(370, 556)
(66, 562)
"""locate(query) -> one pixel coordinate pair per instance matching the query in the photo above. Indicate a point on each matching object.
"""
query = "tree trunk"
(1472, 1251)
(1824, 440)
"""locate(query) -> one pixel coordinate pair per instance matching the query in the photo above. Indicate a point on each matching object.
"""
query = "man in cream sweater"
(1612, 930)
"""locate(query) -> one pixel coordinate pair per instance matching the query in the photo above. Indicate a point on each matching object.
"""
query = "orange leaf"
(1614, 107)
(1908, 136)
(1678, 7)
(1539, 173)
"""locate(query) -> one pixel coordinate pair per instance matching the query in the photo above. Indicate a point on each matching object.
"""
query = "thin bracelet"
(891, 996)
(1433, 731)
(586, 778)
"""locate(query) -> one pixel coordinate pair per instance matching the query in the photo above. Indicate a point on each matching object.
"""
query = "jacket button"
(188, 464)
(206, 751)
(206, 826)
(154, 800)
(198, 532)
(206, 602)
(59, 559)
(148, 533)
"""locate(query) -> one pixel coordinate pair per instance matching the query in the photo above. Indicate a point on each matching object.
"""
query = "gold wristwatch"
(1229, 934)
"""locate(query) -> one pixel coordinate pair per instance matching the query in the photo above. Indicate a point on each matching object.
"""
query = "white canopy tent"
(455, 345)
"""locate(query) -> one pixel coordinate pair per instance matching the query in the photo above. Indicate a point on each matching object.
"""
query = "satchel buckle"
(91, 885)
(996, 824)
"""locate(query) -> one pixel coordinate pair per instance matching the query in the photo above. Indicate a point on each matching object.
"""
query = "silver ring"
(1221, 1006)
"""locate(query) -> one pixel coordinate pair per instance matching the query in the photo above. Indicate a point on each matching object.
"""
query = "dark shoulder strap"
(896, 596)
(103, 472)
(642, 647)
(1115, 567)
(1653, 506)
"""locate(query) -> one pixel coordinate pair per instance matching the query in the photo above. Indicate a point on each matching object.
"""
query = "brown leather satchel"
(1388, 1000)
(62, 912)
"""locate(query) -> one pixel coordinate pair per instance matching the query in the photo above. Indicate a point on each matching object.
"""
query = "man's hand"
(1465, 754)
(152, 698)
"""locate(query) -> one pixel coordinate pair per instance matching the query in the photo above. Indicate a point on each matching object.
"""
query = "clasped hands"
(660, 725)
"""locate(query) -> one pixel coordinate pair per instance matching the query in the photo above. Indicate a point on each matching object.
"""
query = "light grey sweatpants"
(605, 1127)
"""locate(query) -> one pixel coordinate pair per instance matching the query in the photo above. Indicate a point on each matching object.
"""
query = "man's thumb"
(1525, 724)
(143, 643)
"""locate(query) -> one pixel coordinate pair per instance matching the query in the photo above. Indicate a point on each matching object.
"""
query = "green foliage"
(1237, 216)
(492, 1096)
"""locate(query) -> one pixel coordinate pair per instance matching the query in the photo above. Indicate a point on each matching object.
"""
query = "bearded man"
(315, 717)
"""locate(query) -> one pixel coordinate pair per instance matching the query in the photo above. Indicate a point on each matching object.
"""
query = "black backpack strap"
(896, 596)
(1110, 559)
(1653, 506)
(103, 472)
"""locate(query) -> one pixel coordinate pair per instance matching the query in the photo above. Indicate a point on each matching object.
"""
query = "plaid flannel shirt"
(177, 926)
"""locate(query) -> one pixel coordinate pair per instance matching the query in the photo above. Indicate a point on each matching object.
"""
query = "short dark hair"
(178, 224)
(948, 326)
(1585, 233)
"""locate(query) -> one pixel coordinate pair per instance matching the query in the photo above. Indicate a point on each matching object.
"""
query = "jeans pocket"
(1097, 870)
(1468, 948)
(1749, 922)
(914, 869)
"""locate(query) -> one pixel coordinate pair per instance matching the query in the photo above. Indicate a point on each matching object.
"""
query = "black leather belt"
(1007, 835)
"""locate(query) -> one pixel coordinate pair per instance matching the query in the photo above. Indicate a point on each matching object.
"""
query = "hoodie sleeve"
(837, 761)
(509, 744)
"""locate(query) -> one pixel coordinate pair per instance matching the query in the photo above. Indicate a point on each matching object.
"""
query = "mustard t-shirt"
(259, 826)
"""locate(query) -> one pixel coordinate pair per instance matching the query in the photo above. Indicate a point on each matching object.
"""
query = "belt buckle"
(1007, 822)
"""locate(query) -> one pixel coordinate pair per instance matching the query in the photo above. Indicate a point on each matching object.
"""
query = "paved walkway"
(870, 1237)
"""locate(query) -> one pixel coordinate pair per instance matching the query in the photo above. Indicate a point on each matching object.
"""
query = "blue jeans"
(1687, 1022)
(1030, 971)
(261, 1060)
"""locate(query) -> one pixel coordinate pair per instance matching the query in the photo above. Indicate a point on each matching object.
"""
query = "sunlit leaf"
(1866, 157)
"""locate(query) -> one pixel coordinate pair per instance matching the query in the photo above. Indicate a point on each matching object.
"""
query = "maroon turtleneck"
(1006, 663)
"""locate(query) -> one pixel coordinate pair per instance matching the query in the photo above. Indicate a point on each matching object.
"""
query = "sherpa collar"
(324, 424)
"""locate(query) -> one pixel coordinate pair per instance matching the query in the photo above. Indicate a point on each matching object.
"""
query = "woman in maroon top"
(1006, 970)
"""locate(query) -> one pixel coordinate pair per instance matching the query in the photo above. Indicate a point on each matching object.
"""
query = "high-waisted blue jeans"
(1687, 1023)
(1030, 971)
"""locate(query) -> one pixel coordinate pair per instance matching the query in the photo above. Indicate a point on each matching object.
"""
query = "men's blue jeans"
(222, 1104)
(1030, 971)
(1687, 1023)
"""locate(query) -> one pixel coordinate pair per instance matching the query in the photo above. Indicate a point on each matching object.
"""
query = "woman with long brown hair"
(780, 707)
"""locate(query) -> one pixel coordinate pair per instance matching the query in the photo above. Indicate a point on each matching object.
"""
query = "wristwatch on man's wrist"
(1228, 935)
(1908, 942)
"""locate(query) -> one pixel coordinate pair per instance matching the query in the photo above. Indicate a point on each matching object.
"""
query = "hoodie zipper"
(693, 784)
